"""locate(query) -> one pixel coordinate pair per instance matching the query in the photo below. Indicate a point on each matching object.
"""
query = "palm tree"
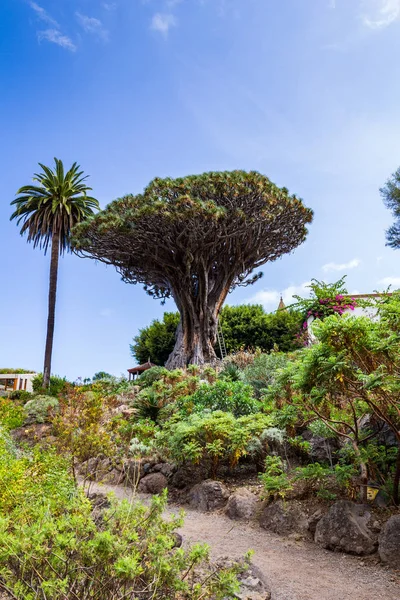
(48, 212)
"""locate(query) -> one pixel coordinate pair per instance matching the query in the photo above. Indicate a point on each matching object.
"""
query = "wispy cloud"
(270, 298)
(393, 281)
(43, 15)
(92, 25)
(54, 33)
(352, 264)
(163, 23)
(378, 14)
(109, 5)
(56, 37)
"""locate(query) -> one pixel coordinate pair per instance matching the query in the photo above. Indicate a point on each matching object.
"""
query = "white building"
(17, 381)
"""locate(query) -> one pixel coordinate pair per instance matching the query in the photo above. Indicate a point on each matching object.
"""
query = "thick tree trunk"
(55, 250)
(195, 338)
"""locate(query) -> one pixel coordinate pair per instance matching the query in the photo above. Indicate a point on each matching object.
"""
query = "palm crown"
(53, 207)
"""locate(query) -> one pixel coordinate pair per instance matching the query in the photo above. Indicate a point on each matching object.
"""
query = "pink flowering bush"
(326, 299)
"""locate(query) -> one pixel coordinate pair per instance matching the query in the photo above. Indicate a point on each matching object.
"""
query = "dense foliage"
(57, 385)
(156, 341)
(53, 547)
(246, 326)
(348, 377)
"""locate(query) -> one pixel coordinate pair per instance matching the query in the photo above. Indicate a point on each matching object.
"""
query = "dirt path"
(294, 570)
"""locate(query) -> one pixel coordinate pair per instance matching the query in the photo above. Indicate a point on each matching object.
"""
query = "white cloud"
(163, 23)
(393, 281)
(43, 15)
(380, 13)
(109, 5)
(270, 298)
(56, 37)
(92, 25)
(352, 264)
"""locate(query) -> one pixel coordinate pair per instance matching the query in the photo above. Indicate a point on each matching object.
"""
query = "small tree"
(195, 239)
(352, 370)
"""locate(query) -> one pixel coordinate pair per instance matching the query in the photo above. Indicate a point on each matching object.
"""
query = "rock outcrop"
(389, 542)
(345, 529)
(154, 483)
(208, 495)
(242, 505)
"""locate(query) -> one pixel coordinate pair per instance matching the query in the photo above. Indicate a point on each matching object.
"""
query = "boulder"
(154, 483)
(186, 476)
(208, 495)
(165, 468)
(345, 529)
(284, 518)
(242, 505)
(389, 542)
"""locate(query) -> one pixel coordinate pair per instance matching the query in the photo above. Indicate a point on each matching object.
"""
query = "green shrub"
(12, 415)
(274, 479)
(21, 395)
(228, 396)
(53, 548)
(41, 409)
(264, 370)
(147, 378)
(58, 385)
(210, 438)
(81, 427)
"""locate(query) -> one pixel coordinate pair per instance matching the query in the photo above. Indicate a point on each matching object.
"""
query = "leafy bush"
(229, 396)
(275, 480)
(12, 415)
(81, 427)
(152, 402)
(58, 385)
(21, 395)
(41, 409)
(210, 438)
(53, 548)
(147, 378)
(262, 373)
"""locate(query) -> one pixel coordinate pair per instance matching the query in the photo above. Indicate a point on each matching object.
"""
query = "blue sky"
(305, 92)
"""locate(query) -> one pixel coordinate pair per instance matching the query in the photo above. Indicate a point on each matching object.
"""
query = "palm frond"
(57, 204)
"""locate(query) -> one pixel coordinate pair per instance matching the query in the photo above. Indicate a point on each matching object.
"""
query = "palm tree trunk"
(55, 251)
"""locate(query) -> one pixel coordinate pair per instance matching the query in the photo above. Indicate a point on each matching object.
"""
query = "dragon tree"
(195, 239)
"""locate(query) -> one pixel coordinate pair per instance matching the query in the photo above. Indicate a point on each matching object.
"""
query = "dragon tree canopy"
(195, 239)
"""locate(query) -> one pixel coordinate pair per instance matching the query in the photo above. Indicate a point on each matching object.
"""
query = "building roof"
(141, 368)
(282, 305)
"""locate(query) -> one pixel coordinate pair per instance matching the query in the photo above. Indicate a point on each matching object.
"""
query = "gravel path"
(294, 570)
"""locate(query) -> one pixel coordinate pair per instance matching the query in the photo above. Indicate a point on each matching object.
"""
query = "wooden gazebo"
(136, 371)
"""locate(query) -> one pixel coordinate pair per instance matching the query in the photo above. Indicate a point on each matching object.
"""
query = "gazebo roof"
(141, 368)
